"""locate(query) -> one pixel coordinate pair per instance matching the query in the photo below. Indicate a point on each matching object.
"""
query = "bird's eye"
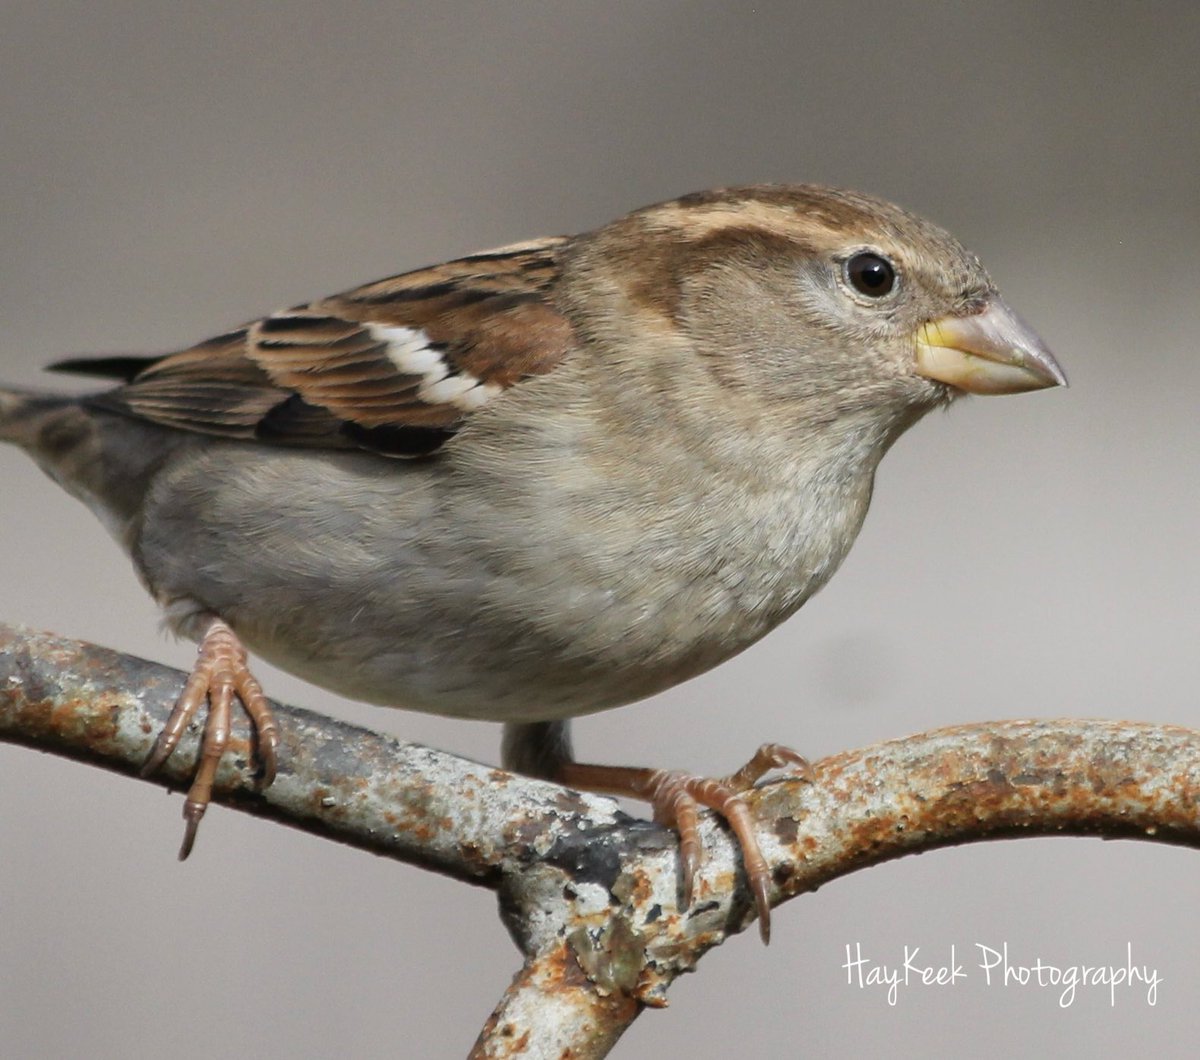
(870, 274)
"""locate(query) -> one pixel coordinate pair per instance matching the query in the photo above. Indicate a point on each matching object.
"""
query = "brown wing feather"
(396, 365)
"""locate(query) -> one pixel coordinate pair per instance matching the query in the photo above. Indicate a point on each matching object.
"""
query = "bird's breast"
(512, 578)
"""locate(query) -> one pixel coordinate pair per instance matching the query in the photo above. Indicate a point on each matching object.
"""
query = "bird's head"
(819, 300)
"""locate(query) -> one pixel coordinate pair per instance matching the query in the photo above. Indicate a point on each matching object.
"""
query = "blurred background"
(170, 170)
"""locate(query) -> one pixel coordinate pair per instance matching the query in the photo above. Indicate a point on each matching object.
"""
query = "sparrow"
(538, 481)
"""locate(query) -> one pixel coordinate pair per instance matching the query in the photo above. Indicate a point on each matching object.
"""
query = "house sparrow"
(537, 481)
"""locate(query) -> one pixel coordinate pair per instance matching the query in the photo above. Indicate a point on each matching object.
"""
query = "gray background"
(169, 170)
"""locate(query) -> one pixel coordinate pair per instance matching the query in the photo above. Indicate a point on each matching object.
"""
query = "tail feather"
(123, 368)
(10, 402)
(21, 412)
(105, 459)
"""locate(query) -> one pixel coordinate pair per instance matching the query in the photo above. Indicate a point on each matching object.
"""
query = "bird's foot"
(677, 799)
(219, 673)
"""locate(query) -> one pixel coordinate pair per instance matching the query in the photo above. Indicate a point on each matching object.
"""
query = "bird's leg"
(543, 749)
(220, 672)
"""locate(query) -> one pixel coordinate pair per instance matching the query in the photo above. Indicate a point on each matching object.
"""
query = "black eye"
(870, 274)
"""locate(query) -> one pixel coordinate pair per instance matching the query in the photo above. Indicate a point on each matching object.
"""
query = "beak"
(991, 352)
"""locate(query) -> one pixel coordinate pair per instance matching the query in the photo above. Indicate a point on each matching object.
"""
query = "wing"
(396, 366)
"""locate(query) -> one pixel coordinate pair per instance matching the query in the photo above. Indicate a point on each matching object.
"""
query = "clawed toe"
(769, 756)
(219, 674)
(682, 789)
(676, 799)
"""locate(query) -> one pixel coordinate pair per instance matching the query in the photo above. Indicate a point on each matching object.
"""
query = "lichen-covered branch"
(413, 803)
(589, 893)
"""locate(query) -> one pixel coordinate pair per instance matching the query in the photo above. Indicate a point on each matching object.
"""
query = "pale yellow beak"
(991, 352)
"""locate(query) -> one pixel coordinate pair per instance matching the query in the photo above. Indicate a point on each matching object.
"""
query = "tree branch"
(589, 893)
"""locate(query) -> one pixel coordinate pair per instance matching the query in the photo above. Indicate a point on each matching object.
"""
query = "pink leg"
(219, 673)
(676, 799)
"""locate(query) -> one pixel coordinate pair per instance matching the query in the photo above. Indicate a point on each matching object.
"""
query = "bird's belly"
(407, 590)
(456, 638)
(442, 672)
